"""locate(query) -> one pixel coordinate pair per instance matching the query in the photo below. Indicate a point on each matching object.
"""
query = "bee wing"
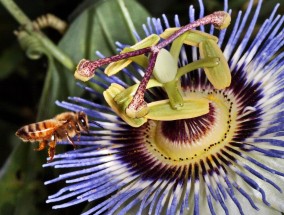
(40, 130)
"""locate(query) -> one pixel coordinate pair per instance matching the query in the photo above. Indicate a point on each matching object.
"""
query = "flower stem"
(23, 20)
(16, 12)
(64, 59)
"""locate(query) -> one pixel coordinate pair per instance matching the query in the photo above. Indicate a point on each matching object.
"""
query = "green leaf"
(9, 60)
(19, 183)
(99, 27)
(58, 85)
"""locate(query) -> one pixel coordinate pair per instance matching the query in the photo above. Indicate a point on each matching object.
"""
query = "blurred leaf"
(19, 190)
(99, 27)
(55, 87)
(8, 137)
(158, 7)
(10, 58)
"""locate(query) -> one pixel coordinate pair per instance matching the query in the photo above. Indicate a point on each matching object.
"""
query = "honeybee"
(64, 126)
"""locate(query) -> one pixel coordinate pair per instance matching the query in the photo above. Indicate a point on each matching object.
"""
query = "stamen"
(138, 107)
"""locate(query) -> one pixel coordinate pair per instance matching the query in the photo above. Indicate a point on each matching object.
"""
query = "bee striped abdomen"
(23, 133)
(38, 131)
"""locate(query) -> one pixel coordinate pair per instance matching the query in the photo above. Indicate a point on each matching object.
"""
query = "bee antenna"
(97, 124)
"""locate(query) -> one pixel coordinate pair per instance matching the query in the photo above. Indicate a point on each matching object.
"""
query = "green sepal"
(163, 111)
(115, 67)
(119, 109)
(176, 46)
(130, 91)
(220, 75)
(193, 38)
(149, 41)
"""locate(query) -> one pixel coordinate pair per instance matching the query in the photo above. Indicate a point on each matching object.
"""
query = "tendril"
(32, 46)
(50, 20)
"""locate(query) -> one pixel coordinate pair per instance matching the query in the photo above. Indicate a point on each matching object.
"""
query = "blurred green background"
(23, 99)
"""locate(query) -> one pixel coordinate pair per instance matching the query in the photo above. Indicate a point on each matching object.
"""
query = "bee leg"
(71, 141)
(41, 145)
(78, 132)
(78, 136)
(51, 150)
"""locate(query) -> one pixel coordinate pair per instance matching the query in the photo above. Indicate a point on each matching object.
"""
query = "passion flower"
(227, 159)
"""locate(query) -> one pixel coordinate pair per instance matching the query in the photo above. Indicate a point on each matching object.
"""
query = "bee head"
(83, 121)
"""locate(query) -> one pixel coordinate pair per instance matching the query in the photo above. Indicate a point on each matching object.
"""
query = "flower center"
(190, 139)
